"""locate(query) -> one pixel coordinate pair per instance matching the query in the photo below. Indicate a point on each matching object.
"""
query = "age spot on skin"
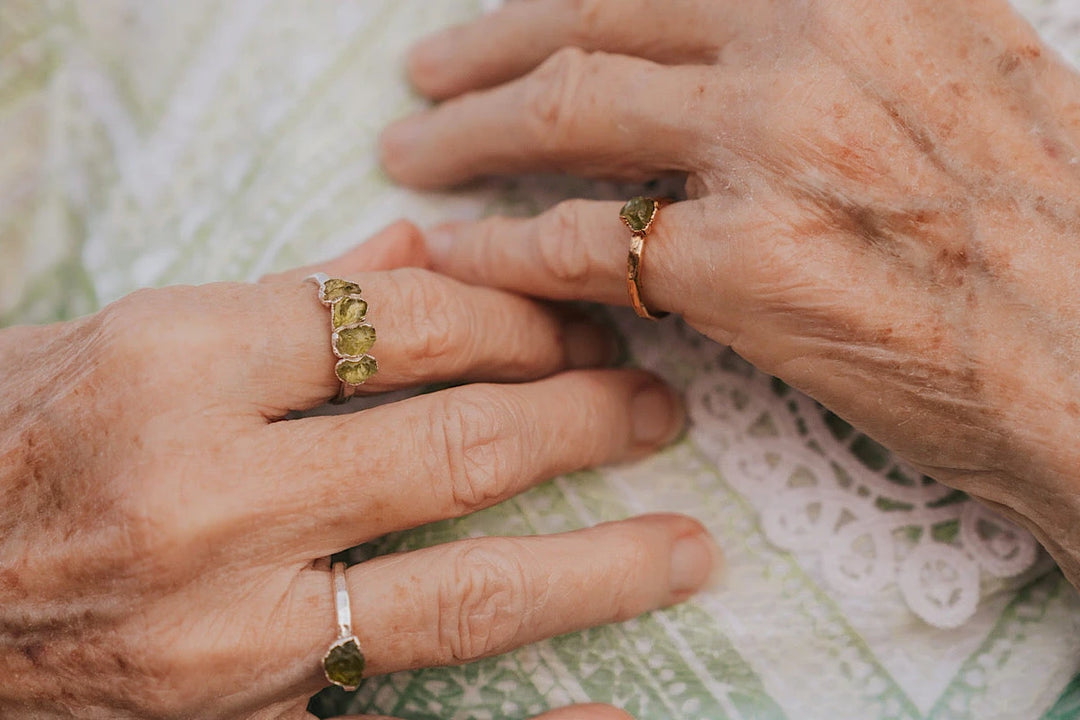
(1009, 61)
(121, 663)
(951, 266)
(1062, 216)
(1052, 149)
(33, 652)
(960, 90)
(917, 135)
(10, 582)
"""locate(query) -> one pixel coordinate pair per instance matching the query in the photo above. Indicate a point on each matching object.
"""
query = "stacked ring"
(351, 337)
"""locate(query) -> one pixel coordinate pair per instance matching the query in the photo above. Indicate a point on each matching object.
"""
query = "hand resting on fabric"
(883, 206)
(161, 519)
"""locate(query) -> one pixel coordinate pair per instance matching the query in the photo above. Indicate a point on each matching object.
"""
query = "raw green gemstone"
(355, 372)
(344, 664)
(348, 311)
(334, 289)
(637, 213)
(353, 342)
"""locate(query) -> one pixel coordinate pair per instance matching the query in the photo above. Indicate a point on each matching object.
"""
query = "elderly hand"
(884, 205)
(160, 520)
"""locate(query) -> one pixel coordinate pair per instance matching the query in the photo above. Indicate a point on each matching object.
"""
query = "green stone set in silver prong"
(351, 337)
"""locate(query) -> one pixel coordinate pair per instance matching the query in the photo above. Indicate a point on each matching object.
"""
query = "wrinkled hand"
(160, 519)
(884, 205)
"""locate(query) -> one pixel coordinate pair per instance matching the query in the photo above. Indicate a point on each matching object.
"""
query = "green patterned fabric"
(151, 143)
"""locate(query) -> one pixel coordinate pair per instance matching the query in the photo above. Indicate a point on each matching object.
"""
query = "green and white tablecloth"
(148, 143)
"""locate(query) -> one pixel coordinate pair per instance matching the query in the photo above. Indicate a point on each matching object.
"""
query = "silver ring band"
(344, 662)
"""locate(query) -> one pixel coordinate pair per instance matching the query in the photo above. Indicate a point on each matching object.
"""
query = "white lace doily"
(865, 521)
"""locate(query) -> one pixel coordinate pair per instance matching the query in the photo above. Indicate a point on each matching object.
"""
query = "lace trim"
(828, 493)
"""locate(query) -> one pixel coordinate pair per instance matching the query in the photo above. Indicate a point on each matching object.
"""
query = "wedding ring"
(344, 662)
(350, 336)
(638, 215)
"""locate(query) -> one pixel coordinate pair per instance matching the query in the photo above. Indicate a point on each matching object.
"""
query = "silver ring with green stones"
(344, 662)
(350, 336)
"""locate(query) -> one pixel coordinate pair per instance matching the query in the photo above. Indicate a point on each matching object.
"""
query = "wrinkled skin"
(162, 524)
(883, 205)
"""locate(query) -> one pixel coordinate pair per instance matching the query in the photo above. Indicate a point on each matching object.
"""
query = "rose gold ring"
(638, 214)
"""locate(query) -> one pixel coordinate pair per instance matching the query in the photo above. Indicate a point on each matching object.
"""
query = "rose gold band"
(638, 215)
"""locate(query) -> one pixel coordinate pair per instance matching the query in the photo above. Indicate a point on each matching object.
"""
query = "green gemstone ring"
(344, 662)
(351, 337)
(639, 214)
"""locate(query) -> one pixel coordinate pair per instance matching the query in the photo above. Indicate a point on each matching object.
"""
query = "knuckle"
(483, 447)
(485, 600)
(149, 539)
(588, 25)
(157, 540)
(624, 577)
(550, 101)
(489, 252)
(561, 251)
(121, 331)
(433, 314)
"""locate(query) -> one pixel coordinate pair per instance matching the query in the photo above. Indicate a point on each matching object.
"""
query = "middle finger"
(341, 481)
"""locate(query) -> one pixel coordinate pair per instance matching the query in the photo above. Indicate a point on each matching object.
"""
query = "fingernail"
(439, 240)
(588, 345)
(658, 414)
(696, 563)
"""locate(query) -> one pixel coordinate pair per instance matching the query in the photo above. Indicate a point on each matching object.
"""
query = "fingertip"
(400, 244)
(395, 141)
(439, 241)
(428, 62)
(658, 414)
(697, 561)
